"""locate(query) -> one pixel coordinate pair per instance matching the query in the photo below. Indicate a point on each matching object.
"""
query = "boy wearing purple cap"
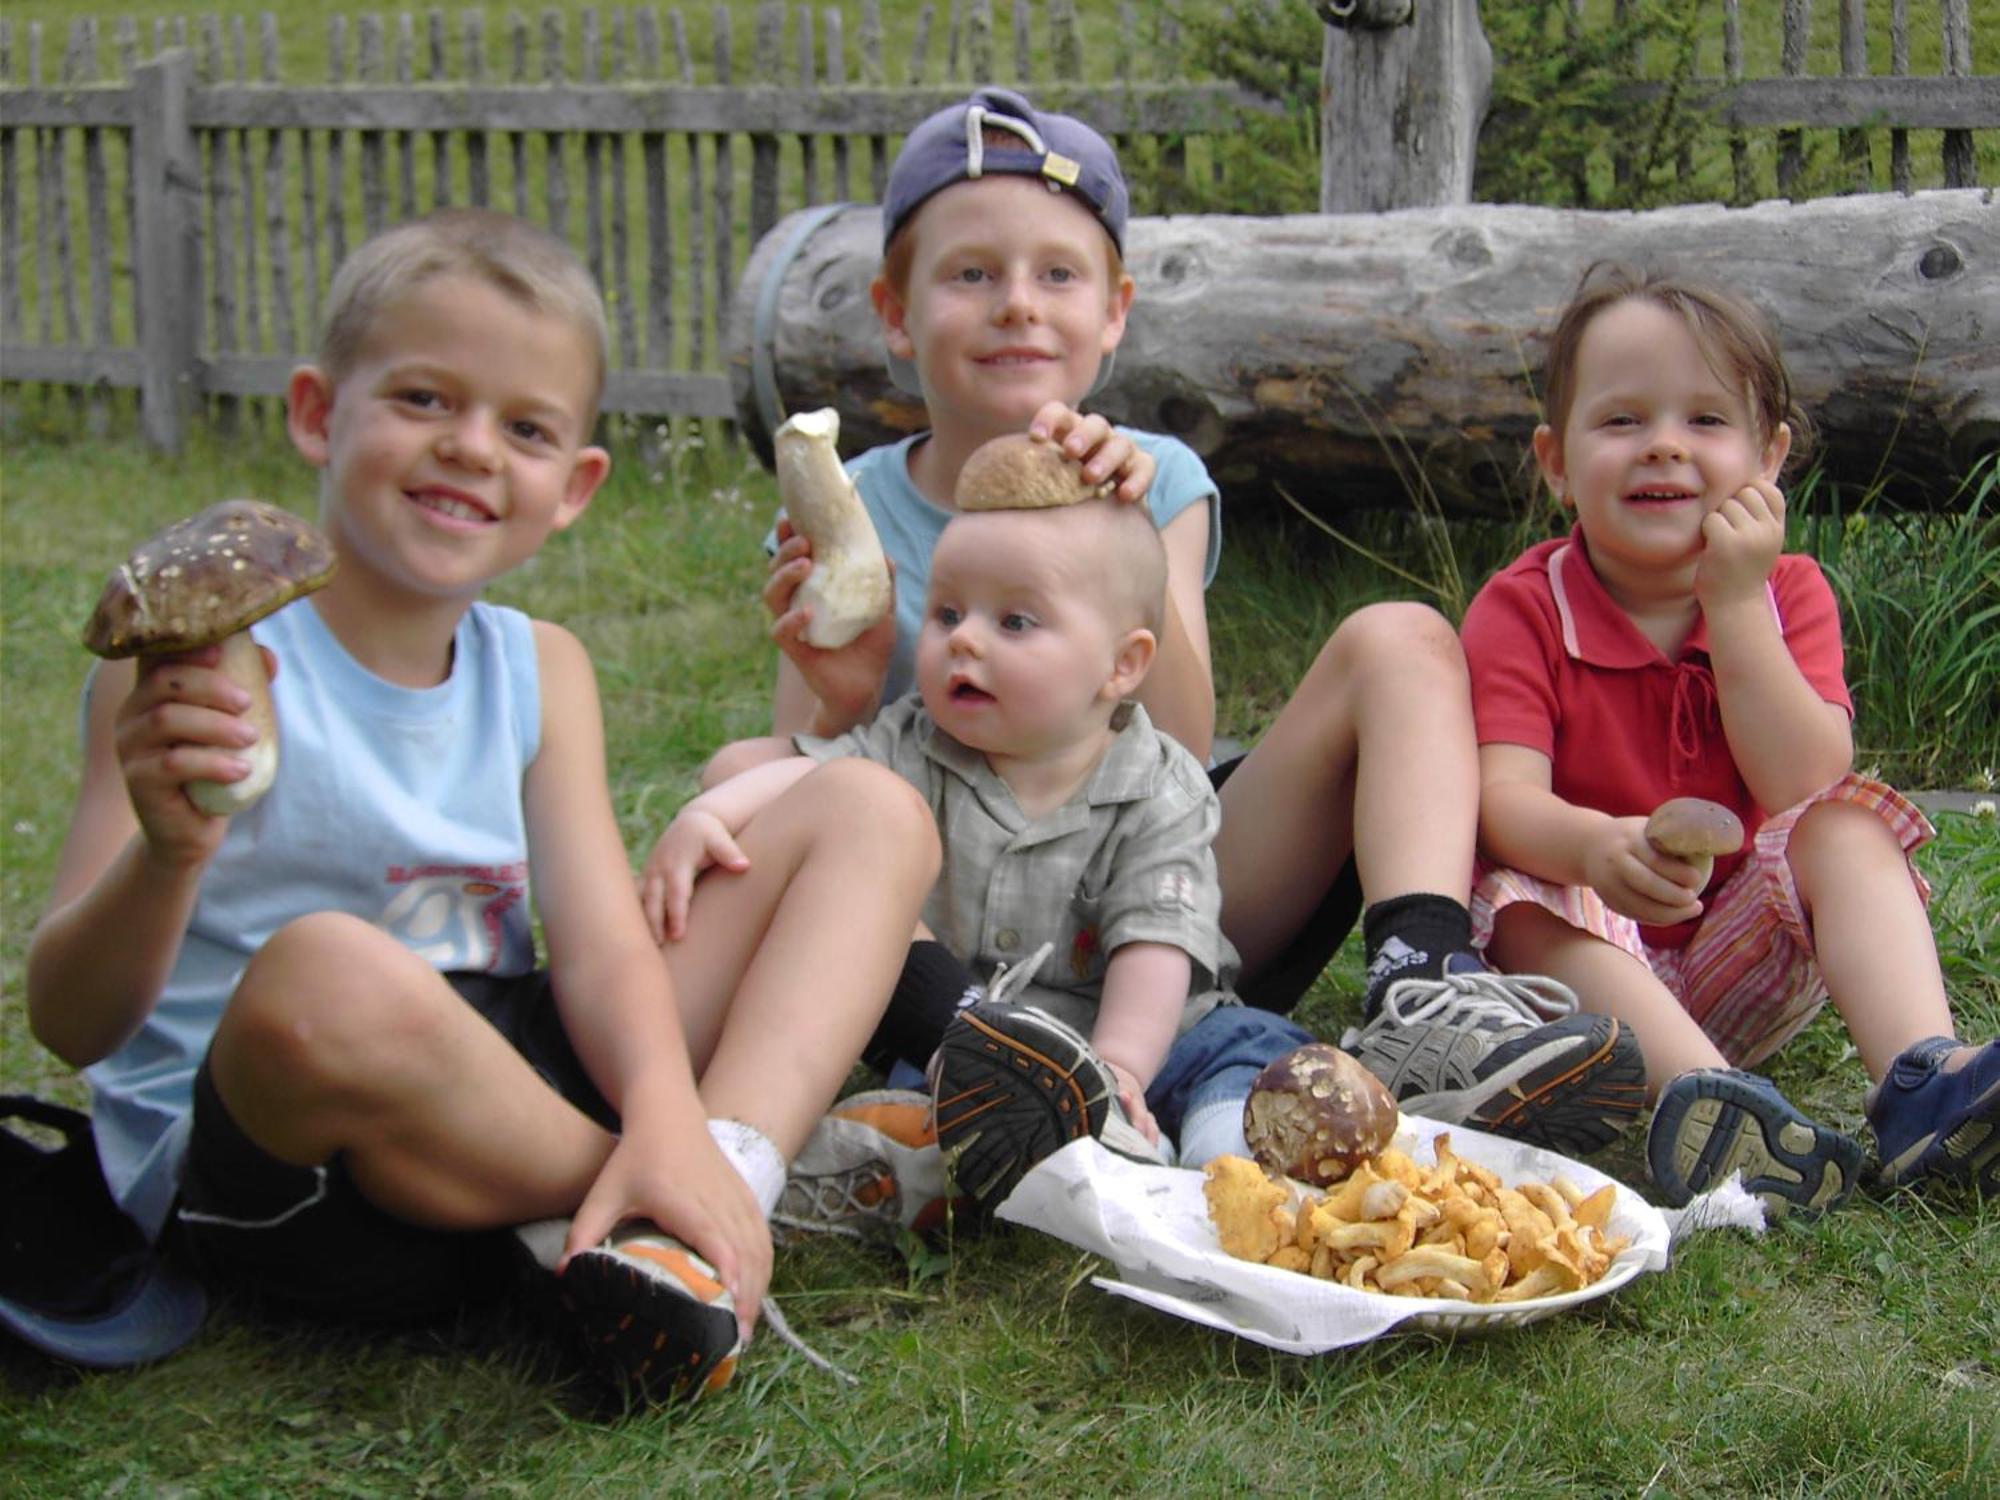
(1002, 296)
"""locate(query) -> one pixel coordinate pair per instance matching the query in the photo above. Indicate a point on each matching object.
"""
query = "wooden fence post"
(167, 174)
(1403, 94)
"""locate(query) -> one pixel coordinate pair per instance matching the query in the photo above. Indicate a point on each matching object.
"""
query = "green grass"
(1855, 1358)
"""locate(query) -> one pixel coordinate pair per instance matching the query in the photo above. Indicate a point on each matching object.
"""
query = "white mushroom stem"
(243, 664)
(848, 589)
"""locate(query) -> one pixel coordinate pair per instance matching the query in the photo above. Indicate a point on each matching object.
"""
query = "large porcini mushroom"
(205, 581)
(1316, 1114)
(1695, 830)
(1019, 472)
(848, 589)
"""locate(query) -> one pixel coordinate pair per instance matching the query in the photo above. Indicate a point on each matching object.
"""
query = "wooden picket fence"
(217, 199)
(172, 208)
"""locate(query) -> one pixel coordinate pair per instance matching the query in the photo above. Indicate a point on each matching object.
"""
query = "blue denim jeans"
(1216, 1060)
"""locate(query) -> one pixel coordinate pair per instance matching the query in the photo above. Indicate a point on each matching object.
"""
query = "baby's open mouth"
(1659, 496)
(965, 692)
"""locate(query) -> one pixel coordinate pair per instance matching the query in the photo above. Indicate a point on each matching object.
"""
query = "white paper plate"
(1152, 1224)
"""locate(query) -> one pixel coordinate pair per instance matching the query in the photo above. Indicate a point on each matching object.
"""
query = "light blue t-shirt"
(400, 806)
(909, 525)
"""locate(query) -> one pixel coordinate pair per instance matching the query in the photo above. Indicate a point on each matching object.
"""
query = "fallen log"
(1351, 358)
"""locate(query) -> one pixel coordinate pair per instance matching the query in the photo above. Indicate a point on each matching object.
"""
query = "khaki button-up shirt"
(1127, 859)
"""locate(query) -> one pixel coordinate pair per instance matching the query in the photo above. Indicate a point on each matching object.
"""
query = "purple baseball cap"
(951, 147)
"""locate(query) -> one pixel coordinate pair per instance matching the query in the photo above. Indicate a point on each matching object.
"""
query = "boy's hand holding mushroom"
(830, 590)
(198, 724)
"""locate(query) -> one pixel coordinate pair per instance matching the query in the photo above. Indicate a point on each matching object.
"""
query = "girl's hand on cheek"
(1741, 540)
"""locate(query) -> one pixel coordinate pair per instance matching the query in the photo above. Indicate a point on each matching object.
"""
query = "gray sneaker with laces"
(1509, 1053)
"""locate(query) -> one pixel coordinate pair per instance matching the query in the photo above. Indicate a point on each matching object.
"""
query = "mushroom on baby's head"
(205, 581)
(201, 580)
(1019, 472)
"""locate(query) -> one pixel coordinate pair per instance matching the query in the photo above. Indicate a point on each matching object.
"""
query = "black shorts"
(1279, 984)
(307, 1240)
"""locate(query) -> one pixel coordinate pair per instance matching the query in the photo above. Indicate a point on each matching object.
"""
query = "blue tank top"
(400, 806)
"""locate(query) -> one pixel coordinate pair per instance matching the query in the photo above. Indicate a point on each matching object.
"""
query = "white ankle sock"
(752, 1153)
(1211, 1131)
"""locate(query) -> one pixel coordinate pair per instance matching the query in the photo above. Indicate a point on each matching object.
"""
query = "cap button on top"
(1008, 939)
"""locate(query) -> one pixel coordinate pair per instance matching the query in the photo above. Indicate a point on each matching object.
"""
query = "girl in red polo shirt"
(1667, 649)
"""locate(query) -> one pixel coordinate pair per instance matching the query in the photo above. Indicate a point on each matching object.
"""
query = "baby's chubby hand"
(695, 840)
(1741, 540)
(1636, 879)
(182, 721)
(1132, 1095)
(1104, 452)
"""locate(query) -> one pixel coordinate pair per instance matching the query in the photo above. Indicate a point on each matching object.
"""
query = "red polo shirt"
(1558, 667)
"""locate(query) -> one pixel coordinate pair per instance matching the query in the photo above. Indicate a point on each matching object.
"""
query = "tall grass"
(1920, 605)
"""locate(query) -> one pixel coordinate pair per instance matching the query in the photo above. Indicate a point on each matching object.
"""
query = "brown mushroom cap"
(1017, 472)
(203, 579)
(1316, 1114)
(1693, 827)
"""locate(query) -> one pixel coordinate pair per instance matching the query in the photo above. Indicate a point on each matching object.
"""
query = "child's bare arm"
(133, 857)
(616, 999)
(1179, 691)
(1523, 824)
(1145, 988)
(1786, 740)
(703, 833)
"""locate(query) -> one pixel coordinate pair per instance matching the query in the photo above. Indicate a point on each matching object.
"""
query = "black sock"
(933, 987)
(1409, 937)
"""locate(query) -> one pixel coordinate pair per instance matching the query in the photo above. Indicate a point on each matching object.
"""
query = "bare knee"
(327, 1001)
(870, 804)
(1397, 635)
(1840, 840)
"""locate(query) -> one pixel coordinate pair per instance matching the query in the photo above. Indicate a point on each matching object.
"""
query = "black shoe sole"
(1723, 1125)
(1579, 1102)
(642, 1339)
(1006, 1099)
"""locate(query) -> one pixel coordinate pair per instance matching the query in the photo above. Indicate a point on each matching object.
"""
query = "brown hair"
(527, 264)
(1732, 335)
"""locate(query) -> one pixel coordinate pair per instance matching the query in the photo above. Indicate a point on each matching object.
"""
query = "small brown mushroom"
(207, 580)
(1316, 1114)
(1695, 830)
(1018, 472)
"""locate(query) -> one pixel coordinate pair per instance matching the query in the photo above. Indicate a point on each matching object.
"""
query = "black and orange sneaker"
(652, 1318)
(1014, 1085)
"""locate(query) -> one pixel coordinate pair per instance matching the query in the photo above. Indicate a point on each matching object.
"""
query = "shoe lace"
(1461, 999)
(1008, 982)
(835, 1199)
(792, 1341)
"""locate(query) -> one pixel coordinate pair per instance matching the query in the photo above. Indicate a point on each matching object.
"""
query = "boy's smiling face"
(1010, 302)
(456, 443)
(1657, 438)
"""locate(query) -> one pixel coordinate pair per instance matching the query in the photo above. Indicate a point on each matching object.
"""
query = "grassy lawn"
(1854, 1357)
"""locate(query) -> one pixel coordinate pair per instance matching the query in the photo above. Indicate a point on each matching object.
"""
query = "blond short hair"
(523, 262)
